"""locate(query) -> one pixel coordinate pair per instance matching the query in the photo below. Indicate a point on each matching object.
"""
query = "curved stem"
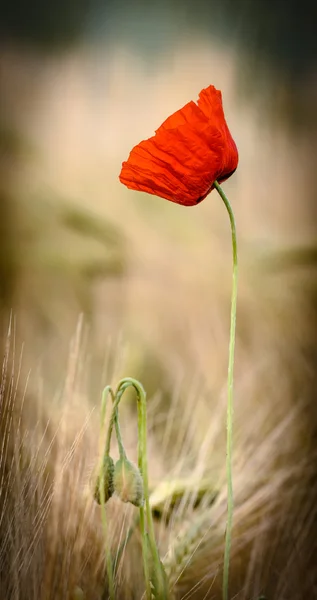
(142, 464)
(107, 390)
(230, 392)
(113, 419)
(122, 452)
(109, 565)
(147, 513)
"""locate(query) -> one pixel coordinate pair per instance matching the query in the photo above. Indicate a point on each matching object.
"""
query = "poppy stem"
(108, 557)
(113, 421)
(149, 547)
(230, 393)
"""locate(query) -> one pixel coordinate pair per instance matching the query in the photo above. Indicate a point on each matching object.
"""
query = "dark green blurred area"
(275, 40)
(283, 33)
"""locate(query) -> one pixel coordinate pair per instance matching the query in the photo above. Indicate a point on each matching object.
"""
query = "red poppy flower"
(190, 151)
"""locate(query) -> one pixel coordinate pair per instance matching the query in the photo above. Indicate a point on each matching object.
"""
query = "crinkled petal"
(190, 151)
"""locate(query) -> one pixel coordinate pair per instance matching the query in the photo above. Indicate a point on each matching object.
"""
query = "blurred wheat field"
(153, 283)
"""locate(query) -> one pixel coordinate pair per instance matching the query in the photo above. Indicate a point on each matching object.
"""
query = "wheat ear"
(189, 540)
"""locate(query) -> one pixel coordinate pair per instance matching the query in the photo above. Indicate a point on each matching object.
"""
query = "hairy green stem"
(113, 421)
(123, 384)
(122, 452)
(108, 557)
(148, 538)
(230, 393)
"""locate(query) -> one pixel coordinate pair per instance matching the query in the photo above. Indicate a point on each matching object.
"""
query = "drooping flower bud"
(128, 483)
(107, 474)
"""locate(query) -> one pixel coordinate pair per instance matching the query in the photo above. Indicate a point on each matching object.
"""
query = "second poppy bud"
(127, 481)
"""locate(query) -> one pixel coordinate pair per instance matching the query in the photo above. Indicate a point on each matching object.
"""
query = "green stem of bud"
(108, 557)
(122, 452)
(145, 512)
(113, 420)
(114, 417)
(142, 452)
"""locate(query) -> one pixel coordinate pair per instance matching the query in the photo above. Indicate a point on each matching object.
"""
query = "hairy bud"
(107, 473)
(128, 483)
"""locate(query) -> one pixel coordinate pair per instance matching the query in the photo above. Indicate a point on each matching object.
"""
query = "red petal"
(188, 152)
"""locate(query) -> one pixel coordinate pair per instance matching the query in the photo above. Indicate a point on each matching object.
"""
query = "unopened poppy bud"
(107, 472)
(128, 483)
